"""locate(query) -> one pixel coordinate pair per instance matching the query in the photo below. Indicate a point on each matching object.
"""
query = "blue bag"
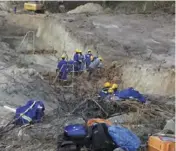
(75, 130)
(130, 92)
(33, 111)
(124, 138)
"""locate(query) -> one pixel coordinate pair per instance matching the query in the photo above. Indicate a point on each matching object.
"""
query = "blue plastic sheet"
(131, 93)
(35, 111)
(124, 138)
(75, 130)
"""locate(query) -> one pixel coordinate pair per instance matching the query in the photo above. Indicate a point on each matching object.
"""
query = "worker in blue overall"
(62, 67)
(95, 64)
(104, 92)
(77, 60)
(82, 60)
(88, 58)
(14, 9)
(115, 89)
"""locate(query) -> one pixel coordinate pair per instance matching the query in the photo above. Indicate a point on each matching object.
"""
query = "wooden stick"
(100, 107)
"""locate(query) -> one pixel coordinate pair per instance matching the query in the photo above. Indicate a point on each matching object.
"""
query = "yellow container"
(161, 143)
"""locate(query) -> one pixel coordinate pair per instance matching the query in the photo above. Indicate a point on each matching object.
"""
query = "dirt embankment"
(141, 48)
(142, 44)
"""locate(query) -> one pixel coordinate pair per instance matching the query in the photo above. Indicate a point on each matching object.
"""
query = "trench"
(51, 39)
(52, 36)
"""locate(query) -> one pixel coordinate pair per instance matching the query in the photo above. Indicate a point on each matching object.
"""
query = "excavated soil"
(141, 48)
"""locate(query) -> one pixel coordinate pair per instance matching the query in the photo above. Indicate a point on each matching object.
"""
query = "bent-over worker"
(95, 64)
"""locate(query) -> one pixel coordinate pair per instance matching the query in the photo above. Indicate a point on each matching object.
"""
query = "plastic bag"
(124, 138)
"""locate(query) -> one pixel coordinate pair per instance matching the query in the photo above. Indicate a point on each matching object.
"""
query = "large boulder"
(170, 126)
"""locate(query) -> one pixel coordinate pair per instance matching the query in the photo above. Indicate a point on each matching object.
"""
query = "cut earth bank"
(143, 45)
(125, 40)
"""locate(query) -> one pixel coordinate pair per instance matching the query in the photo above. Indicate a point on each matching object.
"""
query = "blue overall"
(88, 59)
(116, 92)
(63, 71)
(77, 61)
(14, 9)
(71, 66)
(103, 93)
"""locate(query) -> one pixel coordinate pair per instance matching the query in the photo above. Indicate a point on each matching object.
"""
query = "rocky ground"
(147, 35)
(24, 76)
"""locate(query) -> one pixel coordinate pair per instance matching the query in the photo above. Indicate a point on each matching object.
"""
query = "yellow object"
(110, 90)
(63, 56)
(114, 86)
(80, 51)
(33, 6)
(107, 85)
(89, 50)
(98, 120)
(100, 58)
(77, 50)
(161, 143)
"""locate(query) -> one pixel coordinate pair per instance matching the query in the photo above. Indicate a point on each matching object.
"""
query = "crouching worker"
(104, 92)
(110, 95)
(62, 68)
(94, 65)
(115, 89)
(32, 112)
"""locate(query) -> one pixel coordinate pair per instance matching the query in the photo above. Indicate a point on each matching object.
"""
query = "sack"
(32, 111)
(131, 93)
(75, 130)
(98, 120)
(124, 138)
(101, 140)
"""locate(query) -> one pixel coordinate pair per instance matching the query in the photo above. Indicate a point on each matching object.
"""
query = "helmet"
(114, 86)
(77, 50)
(107, 84)
(110, 90)
(100, 58)
(63, 56)
(89, 50)
(80, 50)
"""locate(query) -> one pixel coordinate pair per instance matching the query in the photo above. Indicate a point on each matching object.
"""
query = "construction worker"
(104, 92)
(95, 64)
(110, 96)
(62, 67)
(70, 66)
(88, 58)
(77, 60)
(115, 89)
(15, 9)
(82, 60)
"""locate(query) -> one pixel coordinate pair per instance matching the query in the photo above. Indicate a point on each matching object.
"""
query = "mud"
(141, 48)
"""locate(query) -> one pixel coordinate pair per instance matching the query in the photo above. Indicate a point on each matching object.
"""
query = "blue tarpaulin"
(131, 93)
(124, 138)
(32, 111)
